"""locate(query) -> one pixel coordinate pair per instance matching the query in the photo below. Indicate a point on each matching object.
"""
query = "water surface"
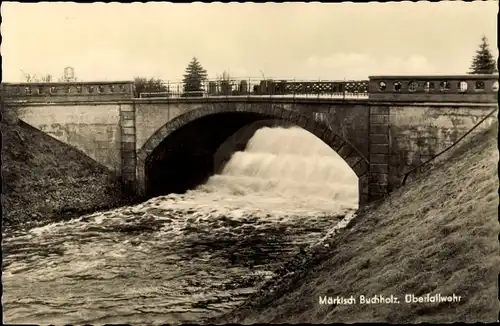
(183, 258)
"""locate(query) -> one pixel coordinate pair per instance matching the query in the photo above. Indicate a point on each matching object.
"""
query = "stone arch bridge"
(162, 145)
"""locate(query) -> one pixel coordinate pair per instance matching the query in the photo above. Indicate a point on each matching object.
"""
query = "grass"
(45, 180)
(438, 234)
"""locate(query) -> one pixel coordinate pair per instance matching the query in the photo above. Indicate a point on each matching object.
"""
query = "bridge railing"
(457, 88)
(64, 91)
(260, 87)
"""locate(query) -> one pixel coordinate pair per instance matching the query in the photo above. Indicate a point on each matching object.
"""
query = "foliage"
(144, 85)
(483, 62)
(33, 78)
(46, 78)
(225, 76)
(193, 79)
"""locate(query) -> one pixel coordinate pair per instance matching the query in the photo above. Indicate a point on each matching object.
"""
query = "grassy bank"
(438, 234)
(45, 180)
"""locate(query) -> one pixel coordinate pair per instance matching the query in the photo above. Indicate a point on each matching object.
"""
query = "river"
(183, 258)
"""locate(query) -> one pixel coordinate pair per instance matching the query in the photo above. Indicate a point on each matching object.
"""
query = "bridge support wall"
(379, 144)
(93, 128)
(128, 146)
(393, 137)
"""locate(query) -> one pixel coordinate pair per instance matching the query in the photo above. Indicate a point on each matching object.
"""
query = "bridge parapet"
(267, 87)
(459, 88)
(68, 91)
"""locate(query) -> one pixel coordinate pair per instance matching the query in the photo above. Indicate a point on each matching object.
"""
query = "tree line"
(482, 63)
(195, 75)
(193, 80)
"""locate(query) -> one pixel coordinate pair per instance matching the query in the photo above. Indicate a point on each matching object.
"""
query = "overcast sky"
(305, 41)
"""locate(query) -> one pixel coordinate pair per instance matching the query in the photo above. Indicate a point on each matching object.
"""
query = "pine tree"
(483, 62)
(194, 78)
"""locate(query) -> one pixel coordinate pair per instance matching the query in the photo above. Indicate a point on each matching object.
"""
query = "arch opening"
(185, 156)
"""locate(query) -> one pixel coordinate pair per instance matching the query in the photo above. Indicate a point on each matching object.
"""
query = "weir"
(290, 164)
(382, 128)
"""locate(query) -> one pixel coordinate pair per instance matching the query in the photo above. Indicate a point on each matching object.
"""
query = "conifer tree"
(193, 79)
(483, 62)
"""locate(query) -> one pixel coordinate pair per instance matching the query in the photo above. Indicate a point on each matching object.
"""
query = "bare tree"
(225, 81)
(33, 78)
(46, 79)
(29, 77)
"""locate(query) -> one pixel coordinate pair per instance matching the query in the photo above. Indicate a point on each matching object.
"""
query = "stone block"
(379, 149)
(128, 138)
(360, 168)
(130, 146)
(336, 143)
(320, 130)
(379, 178)
(128, 131)
(378, 128)
(379, 110)
(352, 159)
(346, 151)
(127, 123)
(311, 125)
(377, 189)
(126, 108)
(328, 136)
(128, 169)
(379, 118)
(302, 121)
(379, 168)
(143, 154)
(379, 158)
(128, 155)
(379, 139)
(127, 115)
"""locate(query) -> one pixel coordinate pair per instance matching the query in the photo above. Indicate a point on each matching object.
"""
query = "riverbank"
(45, 180)
(437, 235)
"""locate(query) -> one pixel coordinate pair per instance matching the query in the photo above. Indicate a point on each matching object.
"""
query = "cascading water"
(289, 169)
(183, 258)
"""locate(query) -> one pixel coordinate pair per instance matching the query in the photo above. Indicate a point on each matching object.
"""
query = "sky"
(305, 41)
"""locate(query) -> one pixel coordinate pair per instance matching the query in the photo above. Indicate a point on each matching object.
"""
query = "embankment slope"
(45, 180)
(438, 234)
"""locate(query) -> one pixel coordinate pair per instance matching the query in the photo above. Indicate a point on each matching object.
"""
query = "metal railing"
(259, 88)
(417, 168)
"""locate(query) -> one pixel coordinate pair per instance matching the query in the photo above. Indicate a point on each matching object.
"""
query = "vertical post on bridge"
(344, 89)
(319, 86)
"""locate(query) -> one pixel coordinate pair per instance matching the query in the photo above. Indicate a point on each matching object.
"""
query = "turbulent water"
(183, 258)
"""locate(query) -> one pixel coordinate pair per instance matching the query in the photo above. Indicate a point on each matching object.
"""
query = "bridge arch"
(240, 115)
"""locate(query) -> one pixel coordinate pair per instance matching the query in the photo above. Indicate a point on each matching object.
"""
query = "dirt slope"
(438, 234)
(45, 180)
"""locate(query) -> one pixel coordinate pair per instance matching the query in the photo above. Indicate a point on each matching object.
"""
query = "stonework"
(381, 137)
(344, 148)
